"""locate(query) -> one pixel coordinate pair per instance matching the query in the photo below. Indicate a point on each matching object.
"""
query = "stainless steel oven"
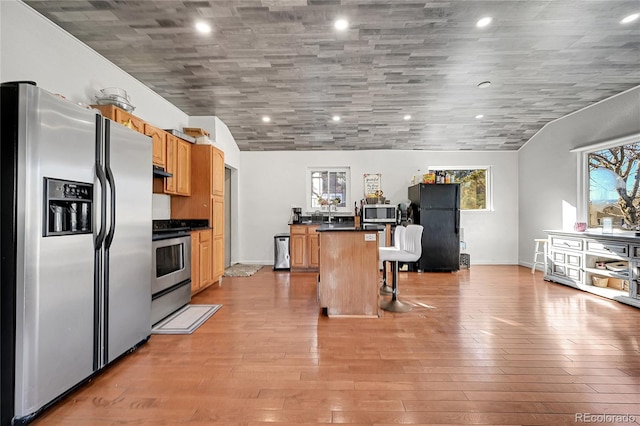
(171, 273)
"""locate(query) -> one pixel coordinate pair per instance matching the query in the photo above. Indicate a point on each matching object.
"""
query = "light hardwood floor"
(488, 345)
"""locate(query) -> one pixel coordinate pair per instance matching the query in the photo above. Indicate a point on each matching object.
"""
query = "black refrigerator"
(437, 208)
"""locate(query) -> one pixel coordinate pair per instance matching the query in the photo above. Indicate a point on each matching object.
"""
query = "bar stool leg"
(394, 305)
(385, 289)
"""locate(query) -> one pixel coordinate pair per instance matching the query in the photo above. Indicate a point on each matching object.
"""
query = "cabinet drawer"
(608, 247)
(574, 260)
(565, 242)
(298, 229)
(635, 251)
(568, 272)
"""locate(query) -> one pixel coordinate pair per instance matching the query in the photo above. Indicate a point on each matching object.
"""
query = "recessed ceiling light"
(484, 84)
(479, 116)
(266, 119)
(483, 22)
(203, 27)
(341, 24)
(336, 118)
(407, 117)
(629, 19)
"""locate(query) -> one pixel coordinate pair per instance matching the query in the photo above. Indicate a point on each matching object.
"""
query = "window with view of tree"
(614, 179)
(475, 190)
(328, 186)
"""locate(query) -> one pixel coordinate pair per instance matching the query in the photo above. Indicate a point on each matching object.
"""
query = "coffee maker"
(296, 215)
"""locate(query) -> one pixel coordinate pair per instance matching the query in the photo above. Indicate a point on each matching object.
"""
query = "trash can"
(281, 252)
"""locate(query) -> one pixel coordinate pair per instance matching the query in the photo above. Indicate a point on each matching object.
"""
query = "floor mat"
(186, 320)
(241, 270)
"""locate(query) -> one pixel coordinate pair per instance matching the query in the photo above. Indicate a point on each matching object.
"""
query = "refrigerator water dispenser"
(67, 208)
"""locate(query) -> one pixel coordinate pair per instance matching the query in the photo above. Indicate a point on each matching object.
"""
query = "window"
(328, 186)
(613, 185)
(475, 185)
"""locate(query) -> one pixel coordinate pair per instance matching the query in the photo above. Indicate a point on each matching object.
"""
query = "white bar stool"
(537, 252)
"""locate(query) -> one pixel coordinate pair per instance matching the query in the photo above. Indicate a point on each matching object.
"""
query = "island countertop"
(367, 227)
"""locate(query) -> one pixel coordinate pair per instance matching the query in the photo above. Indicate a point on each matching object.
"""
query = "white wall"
(548, 182)
(273, 182)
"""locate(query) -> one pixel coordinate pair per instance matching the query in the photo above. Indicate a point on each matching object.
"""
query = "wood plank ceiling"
(284, 59)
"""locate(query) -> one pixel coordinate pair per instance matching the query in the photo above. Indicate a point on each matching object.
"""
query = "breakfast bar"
(348, 281)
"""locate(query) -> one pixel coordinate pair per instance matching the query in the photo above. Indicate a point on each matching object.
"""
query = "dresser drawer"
(566, 242)
(608, 247)
(635, 251)
(568, 272)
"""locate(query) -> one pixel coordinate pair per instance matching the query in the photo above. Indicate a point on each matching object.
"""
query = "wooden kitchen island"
(348, 280)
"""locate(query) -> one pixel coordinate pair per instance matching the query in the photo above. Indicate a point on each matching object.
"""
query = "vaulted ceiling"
(284, 59)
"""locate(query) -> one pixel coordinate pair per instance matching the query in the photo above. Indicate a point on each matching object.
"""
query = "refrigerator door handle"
(112, 185)
(103, 185)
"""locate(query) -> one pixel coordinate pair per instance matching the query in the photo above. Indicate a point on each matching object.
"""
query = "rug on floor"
(185, 320)
(241, 270)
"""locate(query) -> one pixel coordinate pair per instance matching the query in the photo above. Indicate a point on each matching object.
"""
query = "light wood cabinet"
(178, 163)
(171, 166)
(206, 200)
(183, 166)
(121, 116)
(159, 139)
(304, 248)
(201, 268)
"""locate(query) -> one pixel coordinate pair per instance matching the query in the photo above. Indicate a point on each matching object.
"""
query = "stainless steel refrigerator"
(75, 228)
(437, 208)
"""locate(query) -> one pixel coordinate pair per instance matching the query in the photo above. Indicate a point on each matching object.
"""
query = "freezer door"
(54, 282)
(440, 240)
(127, 245)
(440, 196)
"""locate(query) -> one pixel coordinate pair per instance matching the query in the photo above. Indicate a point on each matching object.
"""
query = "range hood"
(160, 172)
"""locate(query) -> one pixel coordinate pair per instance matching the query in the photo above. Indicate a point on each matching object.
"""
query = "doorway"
(227, 217)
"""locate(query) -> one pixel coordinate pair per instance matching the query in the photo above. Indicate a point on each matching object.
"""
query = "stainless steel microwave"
(385, 213)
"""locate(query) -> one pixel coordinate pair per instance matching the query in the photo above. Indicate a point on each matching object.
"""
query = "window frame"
(582, 196)
(489, 183)
(325, 209)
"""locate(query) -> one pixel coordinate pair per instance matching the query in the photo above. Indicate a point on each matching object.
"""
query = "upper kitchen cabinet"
(178, 163)
(218, 172)
(206, 162)
(159, 138)
(121, 116)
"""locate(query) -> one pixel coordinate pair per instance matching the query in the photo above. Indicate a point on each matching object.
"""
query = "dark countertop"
(629, 236)
(329, 227)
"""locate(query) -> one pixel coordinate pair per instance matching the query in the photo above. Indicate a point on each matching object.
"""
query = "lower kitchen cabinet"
(606, 265)
(304, 250)
(201, 260)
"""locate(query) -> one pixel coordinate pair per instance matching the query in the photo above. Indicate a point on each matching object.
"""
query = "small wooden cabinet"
(201, 268)
(304, 249)
(121, 116)
(178, 163)
(183, 168)
(159, 139)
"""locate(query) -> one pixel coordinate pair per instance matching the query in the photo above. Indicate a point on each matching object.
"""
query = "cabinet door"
(206, 271)
(218, 237)
(159, 139)
(218, 258)
(218, 173)
(314, 248)
(298, 249)
(128, 120)
(195, 262)
(172, 164)
(183, 160)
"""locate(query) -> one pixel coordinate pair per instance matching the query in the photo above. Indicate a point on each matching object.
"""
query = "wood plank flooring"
(489, 345)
